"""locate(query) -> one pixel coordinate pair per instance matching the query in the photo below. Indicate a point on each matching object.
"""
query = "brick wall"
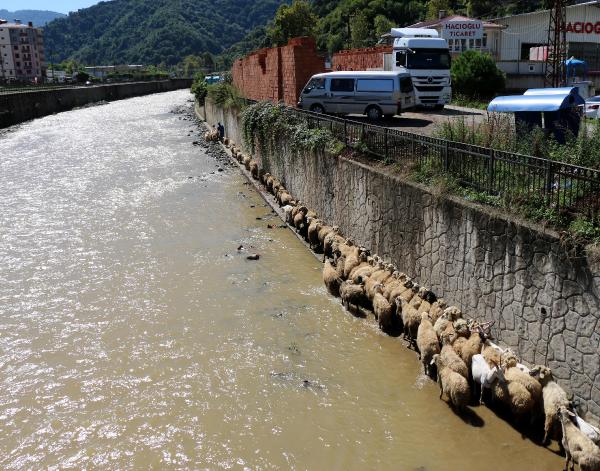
(279, 73)
(360, 59)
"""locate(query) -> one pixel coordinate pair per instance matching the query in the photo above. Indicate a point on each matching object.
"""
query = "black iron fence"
(522, 178)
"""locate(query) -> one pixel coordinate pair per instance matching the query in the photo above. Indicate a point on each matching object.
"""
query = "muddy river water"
(134, 335)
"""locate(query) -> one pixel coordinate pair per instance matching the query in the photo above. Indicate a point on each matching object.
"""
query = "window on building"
(18, 64)
(484, 40)
(342, 85)
(525, 47)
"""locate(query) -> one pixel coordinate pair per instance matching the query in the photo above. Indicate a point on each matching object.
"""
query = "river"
(134, 334)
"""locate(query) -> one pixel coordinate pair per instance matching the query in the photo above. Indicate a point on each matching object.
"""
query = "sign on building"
(462, 29)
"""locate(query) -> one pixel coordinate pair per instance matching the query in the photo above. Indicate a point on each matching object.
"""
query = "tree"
(291, 21)
(191, 65)
(208, 61)
(382, 25)
(476, 75)
(361, 31)
(435, 6)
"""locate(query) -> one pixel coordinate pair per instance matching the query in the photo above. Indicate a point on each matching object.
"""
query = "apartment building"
(21, 52)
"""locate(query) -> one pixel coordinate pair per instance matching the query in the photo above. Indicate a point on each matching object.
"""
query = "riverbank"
(19, 107)
(541, 296)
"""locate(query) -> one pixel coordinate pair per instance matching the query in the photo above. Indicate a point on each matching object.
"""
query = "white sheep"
(483, 375)
(287, 210)
(593, 433)
(578, 448)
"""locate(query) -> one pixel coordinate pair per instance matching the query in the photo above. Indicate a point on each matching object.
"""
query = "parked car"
(592, 106)
(374, 94)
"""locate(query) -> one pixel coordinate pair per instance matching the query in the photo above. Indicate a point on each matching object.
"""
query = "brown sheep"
(410, 320)
(313, 233)
(331, 279)
(364, 270)
(472, 346)
(254, 169)
(449, 357)
(354, 260)
(299, 217)
(491, 354)
(578, 448)
(381, 307)
(553, 398)
(437, 308)
(427, 342)
(331, 239)
(352, 294)
(515, 396)
(454, 386)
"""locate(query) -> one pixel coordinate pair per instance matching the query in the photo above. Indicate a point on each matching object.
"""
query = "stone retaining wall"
(19, 107)
(543, 297)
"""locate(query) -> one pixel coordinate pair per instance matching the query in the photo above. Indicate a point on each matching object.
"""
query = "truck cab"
(426, 57)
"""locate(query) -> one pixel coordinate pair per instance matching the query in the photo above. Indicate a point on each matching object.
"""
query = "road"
(427, 121)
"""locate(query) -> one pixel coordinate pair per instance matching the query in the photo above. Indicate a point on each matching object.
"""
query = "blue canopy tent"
(572, 65)
(558, 105)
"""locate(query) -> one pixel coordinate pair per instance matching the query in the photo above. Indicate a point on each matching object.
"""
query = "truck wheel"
(317, 109)
(438, 107)
(374, 113)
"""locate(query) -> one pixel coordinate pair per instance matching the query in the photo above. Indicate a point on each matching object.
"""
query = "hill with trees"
(342, 24)
(153, 31)
(37, 17)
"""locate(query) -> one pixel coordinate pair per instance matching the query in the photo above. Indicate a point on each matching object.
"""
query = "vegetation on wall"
(225, 95)
(268, 124)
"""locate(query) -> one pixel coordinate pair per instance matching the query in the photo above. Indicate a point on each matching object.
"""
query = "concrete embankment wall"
(19, 107)
(542, 295)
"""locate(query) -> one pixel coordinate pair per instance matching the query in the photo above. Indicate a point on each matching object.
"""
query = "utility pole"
(555, 67)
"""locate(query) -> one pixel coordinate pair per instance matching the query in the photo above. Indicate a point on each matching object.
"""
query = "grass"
(469, 102)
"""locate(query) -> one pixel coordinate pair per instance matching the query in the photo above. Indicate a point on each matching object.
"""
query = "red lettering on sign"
(579, 27)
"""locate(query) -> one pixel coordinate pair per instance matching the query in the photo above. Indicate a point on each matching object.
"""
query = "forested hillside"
(37, 17)
(367, 20)
(153, 31)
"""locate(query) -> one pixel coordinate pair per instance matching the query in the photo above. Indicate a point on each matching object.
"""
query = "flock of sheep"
(456, 351)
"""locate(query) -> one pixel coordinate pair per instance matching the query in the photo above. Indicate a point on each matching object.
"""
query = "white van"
(374, 94)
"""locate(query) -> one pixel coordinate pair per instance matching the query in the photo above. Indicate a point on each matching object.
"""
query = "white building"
(21, 52)
(523, 32)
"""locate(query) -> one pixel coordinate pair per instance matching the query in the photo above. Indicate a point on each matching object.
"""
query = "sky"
(62, 6)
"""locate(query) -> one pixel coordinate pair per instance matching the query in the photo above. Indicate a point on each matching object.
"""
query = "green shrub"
(199, 88)
(584, 228)
(266, 123)
(476, 75)
(226, 96)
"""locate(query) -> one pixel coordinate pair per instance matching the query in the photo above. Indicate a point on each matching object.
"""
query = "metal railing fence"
(553, 184)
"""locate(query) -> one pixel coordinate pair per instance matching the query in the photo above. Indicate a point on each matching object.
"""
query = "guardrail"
(14, 89)
(558, 185)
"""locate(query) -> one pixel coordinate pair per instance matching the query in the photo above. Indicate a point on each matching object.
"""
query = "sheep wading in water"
(461, 349)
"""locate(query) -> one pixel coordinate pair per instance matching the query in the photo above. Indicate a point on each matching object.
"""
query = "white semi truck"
(426, 57)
